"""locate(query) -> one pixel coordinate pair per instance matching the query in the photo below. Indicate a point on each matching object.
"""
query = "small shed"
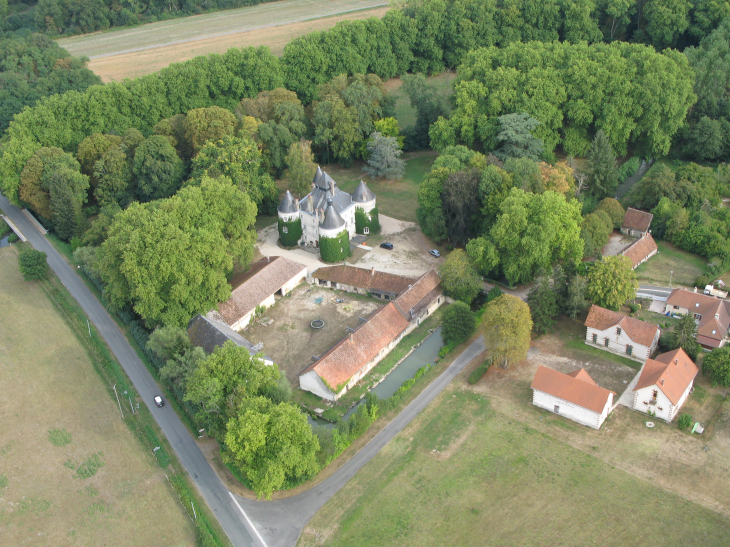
(636, 223)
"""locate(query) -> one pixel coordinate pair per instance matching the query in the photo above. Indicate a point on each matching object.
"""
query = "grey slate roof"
(332, 219)
(210, 334)
(362, 193)
(325, 188)
(287, 204)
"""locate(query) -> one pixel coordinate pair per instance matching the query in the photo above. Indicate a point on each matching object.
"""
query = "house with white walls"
(619, 334)
(575, 396)
(710, 313)
(664, 384)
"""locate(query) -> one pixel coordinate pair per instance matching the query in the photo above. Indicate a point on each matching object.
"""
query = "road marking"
(247, 519)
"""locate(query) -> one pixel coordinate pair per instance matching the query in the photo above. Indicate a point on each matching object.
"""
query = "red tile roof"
(637, 220)
(574, 389)
(343, 360)
(640, 250)
(671, 372)
(364, 279)
(419, 294)
(639, 331)
(263, 279)
(715, 317)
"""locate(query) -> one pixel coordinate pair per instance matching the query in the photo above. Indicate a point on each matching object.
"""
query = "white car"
(159, 401)
(435, 253)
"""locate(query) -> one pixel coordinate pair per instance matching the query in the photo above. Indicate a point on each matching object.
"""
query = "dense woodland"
(156, 182)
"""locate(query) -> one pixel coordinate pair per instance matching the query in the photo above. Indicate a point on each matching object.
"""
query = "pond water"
(424, 354)
(4, 241)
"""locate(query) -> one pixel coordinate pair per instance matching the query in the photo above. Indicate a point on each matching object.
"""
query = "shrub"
(628, 168)
(335, 249)
(614, 210)
(478, 372)
(290, 232)
(716, 366)
(458, 323)
(370, 220)
(685, 421)
(12, 238)
(32, 264)
(633, 307)
(703, 280)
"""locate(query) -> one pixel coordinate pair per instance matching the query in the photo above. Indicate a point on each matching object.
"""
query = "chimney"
(296, 204)
(662, 381)
(676, 362)
(350, 337)
(372, 272)
(332, 186)
(268, 259)
(695, 289)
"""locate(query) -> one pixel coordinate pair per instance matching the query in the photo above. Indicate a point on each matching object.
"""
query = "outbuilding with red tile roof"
(636, 223)
(640, 250)
(617, 333)
(664, 384)
(575, 396)
(710, 314)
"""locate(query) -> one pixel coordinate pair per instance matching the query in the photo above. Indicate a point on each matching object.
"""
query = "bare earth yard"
(48, 384)
(483, 466)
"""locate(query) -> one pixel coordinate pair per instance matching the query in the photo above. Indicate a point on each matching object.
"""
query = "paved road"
(211, 487)
(281, 522)
(661, 292)
(278, 523)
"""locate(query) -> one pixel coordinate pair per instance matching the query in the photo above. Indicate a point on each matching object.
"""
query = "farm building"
(636, 223)
(385, 286)
(710, 314)
(640, 250)
(664, 384)
(210, 334)
(326, 211)
(617, 333)
(575, 396)
(345, 363)
(258, 287)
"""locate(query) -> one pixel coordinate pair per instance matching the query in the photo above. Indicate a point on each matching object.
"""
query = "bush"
(685, 421)
(370, 220)
(702, 281)
(12, 238)
(335, 249)
(633, 307)
(628, 168)
(716, 366)
(478, 372)
(293, 233)
(32, 264)
(457, 324)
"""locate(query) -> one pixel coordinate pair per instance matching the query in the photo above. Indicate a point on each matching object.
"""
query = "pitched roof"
(210, 334)
(574, 389)
(332, 219)
(362, 193)
(419, 294)
(637, 220)
(263, 279)
(364, 279)
(715, 318)
(640, 250)
(639, 331)
(671, 372)
(343, 360)
(324, 189)
(287, 204)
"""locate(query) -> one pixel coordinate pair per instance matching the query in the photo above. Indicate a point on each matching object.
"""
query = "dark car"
(159, 401)
(435, 253)
(388, 246)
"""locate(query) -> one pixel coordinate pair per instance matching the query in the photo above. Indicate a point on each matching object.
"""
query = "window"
(557, 409)
(676, 307)
(366, 230)
(595, 338)
(285, 229)
(698, 317)
(605, 342)
(629, 349)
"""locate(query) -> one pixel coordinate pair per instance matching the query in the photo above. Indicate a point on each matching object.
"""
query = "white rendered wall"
(617, 343)
(644, 395)
(571, 411)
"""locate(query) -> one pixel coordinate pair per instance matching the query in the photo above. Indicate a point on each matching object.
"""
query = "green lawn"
(464, 474)
(686, 267)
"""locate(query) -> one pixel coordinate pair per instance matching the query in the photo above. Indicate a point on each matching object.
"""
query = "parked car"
(159, 401)
(435, 253)
(388, 246)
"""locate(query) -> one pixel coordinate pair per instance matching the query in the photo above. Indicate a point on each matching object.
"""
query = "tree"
(601, 167)
(457, 324)
(225, 377)
(429, 106)
(705, 140)
(575, 301)
(515, 134)
(157, 169)
(169, 259)
(667, 21)
(483, 254)
(614, 210)
(612, 282)
(32, 264)
(172, 346)
(300, 166)
(207, 124)
(460, 205)
(684, 336)
(91, 149)
(534, 231)
(459, 277)
(66, 207)
(506, 325)
(335, 129)
(113, 174)
(271, 443)
(716, 366)
(596, 230)
(384, 157)
(543, 302)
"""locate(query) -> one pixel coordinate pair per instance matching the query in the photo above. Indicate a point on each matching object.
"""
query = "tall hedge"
(370, 220)
(335, 249)
(293, 232)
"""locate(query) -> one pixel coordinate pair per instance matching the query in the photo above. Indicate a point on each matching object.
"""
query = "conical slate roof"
(287, 204)
(362, 193)
(332, 219)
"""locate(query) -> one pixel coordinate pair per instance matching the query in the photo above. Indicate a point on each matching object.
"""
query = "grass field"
(465, 474)
(136, 51)
(71, 472)
(686, 267)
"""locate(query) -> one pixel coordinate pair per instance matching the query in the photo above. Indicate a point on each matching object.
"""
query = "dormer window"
(618, 331)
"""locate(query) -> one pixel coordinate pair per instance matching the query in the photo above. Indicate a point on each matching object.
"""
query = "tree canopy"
(506, 325)
(459, 278)
(611, 282)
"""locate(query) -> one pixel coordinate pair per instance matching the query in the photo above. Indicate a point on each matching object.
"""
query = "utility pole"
(89, 327)
(671, 272)
(114, 387)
